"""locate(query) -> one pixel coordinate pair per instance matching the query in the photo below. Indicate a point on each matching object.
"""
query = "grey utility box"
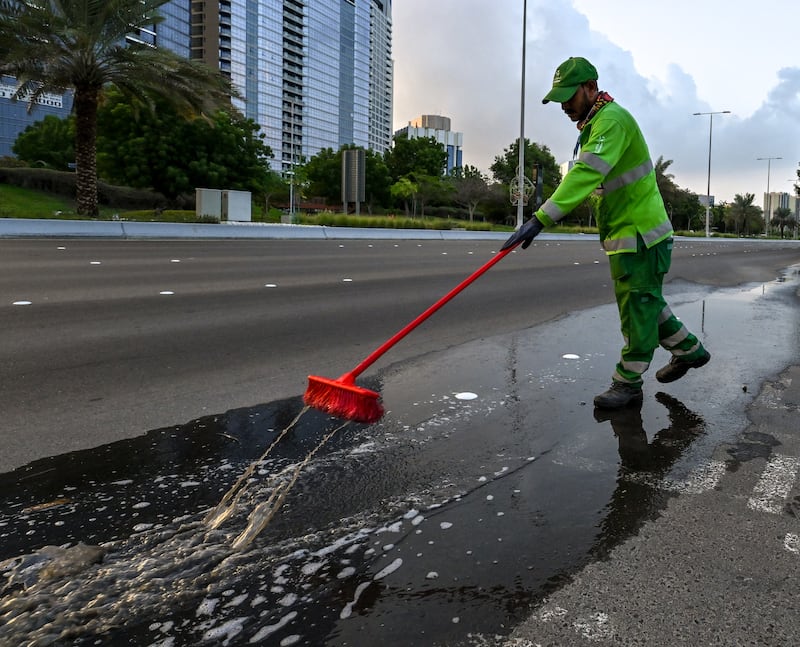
(236, 205)
(208, 204)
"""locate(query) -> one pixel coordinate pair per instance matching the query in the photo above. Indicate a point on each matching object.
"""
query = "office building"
(779, 199)
(14, 115)
(437, 127)
(314, 75)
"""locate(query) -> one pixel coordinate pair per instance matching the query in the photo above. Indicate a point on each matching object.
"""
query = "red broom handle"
(372, 357)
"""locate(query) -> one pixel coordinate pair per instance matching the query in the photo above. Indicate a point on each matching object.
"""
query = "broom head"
(342, 398)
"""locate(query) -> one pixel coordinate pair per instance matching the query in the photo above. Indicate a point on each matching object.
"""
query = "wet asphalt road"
(447, 522)
(103, 354)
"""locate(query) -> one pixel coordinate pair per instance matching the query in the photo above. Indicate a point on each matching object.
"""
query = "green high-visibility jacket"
(614, 160)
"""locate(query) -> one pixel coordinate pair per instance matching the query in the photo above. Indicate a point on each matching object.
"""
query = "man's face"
(579, 105)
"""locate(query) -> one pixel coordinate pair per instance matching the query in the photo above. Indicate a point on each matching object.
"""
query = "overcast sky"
(662, 61)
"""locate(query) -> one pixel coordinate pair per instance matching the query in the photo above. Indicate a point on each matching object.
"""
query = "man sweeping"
(634, 229)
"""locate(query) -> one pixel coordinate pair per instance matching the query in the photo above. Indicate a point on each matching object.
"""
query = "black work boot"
(618, 396)
(677, 367)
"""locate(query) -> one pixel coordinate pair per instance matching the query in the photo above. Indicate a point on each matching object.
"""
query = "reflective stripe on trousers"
(646, 320)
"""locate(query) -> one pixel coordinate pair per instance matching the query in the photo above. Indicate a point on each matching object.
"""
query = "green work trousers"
(645, 318)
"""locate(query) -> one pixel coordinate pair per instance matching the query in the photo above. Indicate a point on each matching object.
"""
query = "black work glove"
(524, 234)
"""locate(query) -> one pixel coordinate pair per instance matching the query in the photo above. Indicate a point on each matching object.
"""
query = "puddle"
(442, 524)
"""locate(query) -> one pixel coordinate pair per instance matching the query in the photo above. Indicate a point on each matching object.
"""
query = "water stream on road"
(440, 525)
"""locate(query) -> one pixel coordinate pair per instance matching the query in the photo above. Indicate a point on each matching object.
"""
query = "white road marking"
(769, 494)
(792, 543)
(701, 479)
(595, 627)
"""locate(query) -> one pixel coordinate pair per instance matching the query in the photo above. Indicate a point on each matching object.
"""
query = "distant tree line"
(163, 151)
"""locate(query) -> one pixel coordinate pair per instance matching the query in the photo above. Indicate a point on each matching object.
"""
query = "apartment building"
(314, 74)
(439, 128)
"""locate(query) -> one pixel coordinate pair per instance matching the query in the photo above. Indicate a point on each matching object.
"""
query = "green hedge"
(63, 183)
(389, 222)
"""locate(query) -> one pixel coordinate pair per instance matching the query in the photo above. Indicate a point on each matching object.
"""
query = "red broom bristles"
(343, 399)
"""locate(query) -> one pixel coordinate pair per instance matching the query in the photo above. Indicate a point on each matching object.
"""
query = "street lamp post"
(708, 188)
(521, 151)
(769, 197)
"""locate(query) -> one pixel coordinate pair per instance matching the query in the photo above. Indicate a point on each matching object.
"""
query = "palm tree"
(742, 212)
(55, 45)
(782, 218)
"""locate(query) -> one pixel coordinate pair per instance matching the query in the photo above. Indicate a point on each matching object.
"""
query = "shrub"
(63, 183)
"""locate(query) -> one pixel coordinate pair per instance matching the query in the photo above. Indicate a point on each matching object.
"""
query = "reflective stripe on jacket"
(614, 158)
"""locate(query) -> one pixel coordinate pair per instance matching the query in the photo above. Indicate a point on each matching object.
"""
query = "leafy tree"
(782, 218)
(718, 212)
(406, 191)
(504, 167)
(430, 189)
(469, 188)
(80, 44)
(683, 206)
(496, 207)
(416, 156)
(51, 141)
(742, 215)
(324, 176)
(378, 180)
(163, 151)
(797, 186)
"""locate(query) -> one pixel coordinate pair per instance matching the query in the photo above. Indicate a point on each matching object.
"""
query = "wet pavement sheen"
(442, 524)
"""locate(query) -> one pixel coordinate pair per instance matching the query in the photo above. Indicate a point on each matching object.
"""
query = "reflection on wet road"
(440, 525)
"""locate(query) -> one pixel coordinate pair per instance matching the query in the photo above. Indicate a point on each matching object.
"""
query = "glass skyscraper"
(313, 74)
(14, 114)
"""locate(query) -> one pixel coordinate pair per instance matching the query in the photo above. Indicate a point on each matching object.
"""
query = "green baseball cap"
(568, 78)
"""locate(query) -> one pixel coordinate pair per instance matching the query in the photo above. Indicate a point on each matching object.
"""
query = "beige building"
(437, 127)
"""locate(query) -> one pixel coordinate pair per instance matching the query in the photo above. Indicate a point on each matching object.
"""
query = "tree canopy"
(683, 206)
(172, 155)
(742, 216)
(50, 141)
(416, 156)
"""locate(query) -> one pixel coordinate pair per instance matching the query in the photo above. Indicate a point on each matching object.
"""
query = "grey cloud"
(462, 58)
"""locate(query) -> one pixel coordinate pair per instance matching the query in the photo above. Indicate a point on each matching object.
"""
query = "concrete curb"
(36, 228)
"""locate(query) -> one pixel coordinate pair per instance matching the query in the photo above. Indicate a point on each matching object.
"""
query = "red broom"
(342, 398)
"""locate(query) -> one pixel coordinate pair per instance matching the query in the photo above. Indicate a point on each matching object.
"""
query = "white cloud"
(463, 58)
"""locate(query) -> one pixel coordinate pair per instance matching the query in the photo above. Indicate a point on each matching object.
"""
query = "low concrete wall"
(35, 228)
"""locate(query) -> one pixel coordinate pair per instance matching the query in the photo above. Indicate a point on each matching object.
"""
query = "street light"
(708, 188)
(769, 197)
(521, 162)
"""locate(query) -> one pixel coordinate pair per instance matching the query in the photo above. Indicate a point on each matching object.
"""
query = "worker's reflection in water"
(667, 445)
(638, 496)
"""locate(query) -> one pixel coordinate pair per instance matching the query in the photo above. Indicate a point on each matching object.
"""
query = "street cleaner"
(635, 230)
